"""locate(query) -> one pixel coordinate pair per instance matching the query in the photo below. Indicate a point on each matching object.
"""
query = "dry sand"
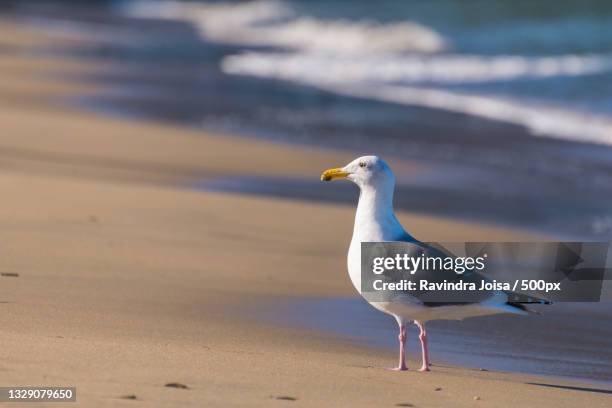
(128, 280)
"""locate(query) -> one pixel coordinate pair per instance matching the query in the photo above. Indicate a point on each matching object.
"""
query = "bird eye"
(363, 164)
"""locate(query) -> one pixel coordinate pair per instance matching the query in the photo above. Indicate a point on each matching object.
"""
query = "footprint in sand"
(177, 385)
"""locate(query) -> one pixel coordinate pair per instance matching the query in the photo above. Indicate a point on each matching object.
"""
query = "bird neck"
(375, 218)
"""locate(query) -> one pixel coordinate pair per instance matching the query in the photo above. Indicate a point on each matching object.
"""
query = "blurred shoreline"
(162, 70)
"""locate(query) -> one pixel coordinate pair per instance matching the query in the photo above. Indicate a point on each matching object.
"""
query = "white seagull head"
(365, 171)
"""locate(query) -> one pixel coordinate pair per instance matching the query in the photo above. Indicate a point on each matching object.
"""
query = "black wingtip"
(521, 305)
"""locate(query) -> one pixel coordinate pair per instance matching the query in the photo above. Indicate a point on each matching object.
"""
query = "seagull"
(375, 221)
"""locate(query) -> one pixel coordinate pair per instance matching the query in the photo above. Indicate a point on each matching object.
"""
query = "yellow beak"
(332, 174)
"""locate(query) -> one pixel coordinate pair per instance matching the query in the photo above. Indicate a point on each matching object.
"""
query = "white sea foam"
(274, 23)
(445, 69)
(541, 119)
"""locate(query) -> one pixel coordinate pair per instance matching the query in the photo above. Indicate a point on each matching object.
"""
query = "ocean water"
(505, 106)
(542, 65)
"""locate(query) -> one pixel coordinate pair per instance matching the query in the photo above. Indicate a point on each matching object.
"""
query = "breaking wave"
(402, 62)
(274, 23)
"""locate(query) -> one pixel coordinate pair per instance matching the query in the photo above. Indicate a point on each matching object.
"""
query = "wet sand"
(552, 343)
(119, 279)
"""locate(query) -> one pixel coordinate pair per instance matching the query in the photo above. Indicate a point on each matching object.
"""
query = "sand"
(128, 279)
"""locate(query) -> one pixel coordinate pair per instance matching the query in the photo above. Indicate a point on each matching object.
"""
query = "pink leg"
(402, 349)
(424, 348)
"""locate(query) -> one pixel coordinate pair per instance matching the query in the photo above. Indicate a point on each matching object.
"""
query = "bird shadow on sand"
(573, 388)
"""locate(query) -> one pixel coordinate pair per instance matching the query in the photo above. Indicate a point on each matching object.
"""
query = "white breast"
(367, 232)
